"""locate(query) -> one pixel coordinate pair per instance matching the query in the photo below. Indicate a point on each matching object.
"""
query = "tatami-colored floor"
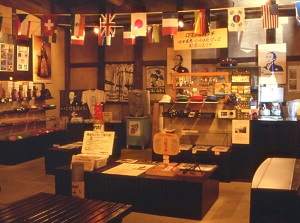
(22, 180)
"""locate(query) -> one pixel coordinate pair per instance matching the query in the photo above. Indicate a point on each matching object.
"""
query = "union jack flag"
(107, 25)
(270, 16)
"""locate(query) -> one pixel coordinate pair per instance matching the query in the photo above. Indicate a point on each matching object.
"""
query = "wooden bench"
(44, 207)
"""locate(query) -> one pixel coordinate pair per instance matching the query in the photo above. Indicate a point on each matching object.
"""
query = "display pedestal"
(138, 131)
(275, 191)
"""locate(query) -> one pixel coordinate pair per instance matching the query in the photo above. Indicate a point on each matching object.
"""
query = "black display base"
(26, 149)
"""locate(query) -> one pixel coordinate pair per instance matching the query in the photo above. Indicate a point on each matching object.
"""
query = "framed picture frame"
(156, 79)
(118, 81)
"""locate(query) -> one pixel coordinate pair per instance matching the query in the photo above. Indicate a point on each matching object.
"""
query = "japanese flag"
(139, 24)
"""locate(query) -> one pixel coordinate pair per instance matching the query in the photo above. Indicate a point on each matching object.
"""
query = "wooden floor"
(25, 179)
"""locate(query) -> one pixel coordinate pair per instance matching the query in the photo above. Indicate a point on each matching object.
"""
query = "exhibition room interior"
(171, 110)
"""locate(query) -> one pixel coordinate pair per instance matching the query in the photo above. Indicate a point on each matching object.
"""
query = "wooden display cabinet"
(198, 83)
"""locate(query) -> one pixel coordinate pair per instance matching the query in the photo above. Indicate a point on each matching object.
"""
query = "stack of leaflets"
(220, 148)
(185, 146)
(200, 148)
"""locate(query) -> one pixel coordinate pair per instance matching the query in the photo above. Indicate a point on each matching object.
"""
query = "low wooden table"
(44, 207)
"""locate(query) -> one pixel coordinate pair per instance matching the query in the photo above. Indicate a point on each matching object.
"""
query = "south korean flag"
(236, 19)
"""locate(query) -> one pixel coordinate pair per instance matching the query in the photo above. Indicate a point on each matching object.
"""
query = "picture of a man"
(271, 66)
(178, 68)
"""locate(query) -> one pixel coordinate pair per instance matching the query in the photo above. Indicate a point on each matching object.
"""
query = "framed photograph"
(118, 81)
(22, 58)
(156, 79)
(294, 78)
(7, 57)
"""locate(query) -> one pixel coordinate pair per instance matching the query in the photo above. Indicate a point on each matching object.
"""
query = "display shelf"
(197, 81)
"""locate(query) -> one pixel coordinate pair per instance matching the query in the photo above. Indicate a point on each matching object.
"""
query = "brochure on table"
(96, 148)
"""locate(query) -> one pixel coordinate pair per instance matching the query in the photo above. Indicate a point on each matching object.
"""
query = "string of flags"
(139, 26)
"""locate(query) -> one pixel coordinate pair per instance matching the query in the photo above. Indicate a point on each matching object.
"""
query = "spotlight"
(96, 30)
(180, 21)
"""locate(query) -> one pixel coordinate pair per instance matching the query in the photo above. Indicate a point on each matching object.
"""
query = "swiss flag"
(139, 24)
(49, 25)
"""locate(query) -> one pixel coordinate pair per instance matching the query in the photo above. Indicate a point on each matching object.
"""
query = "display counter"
(178, 196)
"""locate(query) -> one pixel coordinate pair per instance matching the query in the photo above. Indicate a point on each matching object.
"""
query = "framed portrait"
(272, 60)
(156, 79)
(118, 81)
(41, 60)
(178, 61)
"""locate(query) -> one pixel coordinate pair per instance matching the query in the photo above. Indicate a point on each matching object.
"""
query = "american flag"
(270, 16)
(107, 24)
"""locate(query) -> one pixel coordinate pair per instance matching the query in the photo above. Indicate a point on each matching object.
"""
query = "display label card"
(98, 143)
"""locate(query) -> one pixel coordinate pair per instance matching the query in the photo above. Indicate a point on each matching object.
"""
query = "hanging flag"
(77, 24)
(270, 16)
(138, 24)
(202, 21)
(107, 24)
(1, 19)
(128, 39)
(236, 19)
(101, 37)
(169, 23)
(153, 33)
(297, 8)
(49, 25)
(77, 40)
(22, 26)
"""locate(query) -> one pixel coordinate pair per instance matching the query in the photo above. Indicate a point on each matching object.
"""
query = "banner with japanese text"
(187, 40)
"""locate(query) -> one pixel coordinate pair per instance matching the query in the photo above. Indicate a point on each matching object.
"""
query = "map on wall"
(118, 81)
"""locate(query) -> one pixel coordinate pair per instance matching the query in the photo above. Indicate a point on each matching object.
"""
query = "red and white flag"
(22, 26)
(128, 39)
(236, 19)
(107, 24)
(139, 24)
(169, 23)
(270, 16)
(77, 40)
(77, 24)
(49, 25)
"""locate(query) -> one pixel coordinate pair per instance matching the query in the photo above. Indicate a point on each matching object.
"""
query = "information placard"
(188, 40)
(98, 143)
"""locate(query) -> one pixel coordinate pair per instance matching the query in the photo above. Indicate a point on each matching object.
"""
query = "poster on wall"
(156, 79)
(240, 131)
(118, 81)
(71, 105)
(41, 58)
(178, 61)
(294, 78)
(7, 57)
(22, 58)
(272, 60)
